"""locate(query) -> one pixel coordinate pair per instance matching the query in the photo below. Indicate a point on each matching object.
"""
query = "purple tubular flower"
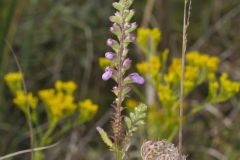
(109, 55)
(110, 42)
(126, 63)
(137, 78)
(107, 74)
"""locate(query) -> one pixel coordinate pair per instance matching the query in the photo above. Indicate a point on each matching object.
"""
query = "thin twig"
(27, 151)
(187, 10)
(26, 95)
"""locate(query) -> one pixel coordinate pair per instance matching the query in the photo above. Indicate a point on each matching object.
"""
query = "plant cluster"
(200, 69)
(60, 106)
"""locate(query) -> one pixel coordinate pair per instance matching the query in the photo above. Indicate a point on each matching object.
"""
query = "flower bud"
(110, 42)
(113, 44)
(109, 55)
(137, 78)
(107, 74)
(127, 63)
(115, 29)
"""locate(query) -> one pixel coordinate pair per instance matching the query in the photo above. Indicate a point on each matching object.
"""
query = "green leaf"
(105, 137)
(126, 3)
(128, 122)
(118, 6)
(129, 15)
(131, 27)
(116, 18)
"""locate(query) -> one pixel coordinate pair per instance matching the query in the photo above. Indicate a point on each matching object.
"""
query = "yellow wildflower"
(68, 87)
(166, 95)
(170, 78)
(13, 77)
(203, 60)
(176, 66)
(188, 86)
(55, 106)
(69, 104)
(155, 65)
(88, 105)
(230, 87)
(59, 85)
(142, 68)
(131, 103)
(212, 64)
(174, 71)
(59, 103)
(191, 73)
(222, 90)
(13, 81)
(22, 101)
(148, 38)
(46, 94)
(88, 109)
(213, 88)
(211, 76)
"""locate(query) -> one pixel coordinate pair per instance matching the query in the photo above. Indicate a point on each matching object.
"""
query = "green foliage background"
(63, 39)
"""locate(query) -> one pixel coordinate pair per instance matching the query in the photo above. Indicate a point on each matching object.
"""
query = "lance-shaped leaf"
(105, 137)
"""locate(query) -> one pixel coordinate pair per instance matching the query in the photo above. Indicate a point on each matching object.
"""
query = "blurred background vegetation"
(63, 39)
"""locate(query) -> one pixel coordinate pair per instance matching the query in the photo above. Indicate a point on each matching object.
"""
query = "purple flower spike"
(137, 78)
(107, 74)
(126, 63)
(109, 55)
(110, 42)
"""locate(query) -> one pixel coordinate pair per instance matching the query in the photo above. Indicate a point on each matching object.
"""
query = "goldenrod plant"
(60, 106)
(162, 121)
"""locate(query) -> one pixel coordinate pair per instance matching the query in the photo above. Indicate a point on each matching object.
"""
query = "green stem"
(119, 154)
(46, 136)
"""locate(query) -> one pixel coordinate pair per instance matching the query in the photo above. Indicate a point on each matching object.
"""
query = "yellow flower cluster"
(66, 87)
(13, 77)
(87, 109)
(13, 81)
(166, 95)
(230, 87)
(21, 100)
(142, 68)
(197, 65)
(59, 101)
(174, 74)
(152, 67)
(148, 38)
(203, 60)
(223, 90)
(174, 71)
